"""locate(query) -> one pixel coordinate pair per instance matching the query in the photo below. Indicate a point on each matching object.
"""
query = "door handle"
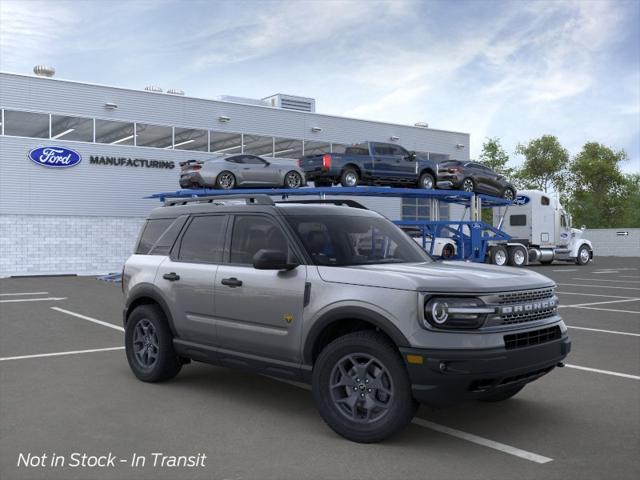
(172, 277)
(231, 282)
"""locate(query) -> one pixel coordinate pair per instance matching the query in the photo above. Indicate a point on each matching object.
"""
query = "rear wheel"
(584, 255)
(517, 256)
(448, 251)
(361, 387)
(502, 394)
(349, 178)
(293, 179)
(149, 345)
(426, 181)
(508, 194)
(468, 185)
(226, 180)
(499, 255)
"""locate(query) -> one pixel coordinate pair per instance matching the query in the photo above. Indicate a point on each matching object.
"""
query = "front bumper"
(447, 377)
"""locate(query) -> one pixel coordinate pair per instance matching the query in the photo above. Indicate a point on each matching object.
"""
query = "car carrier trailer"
(472, 239)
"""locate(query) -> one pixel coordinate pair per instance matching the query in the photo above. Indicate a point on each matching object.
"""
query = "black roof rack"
(219, 200)
(345, 202)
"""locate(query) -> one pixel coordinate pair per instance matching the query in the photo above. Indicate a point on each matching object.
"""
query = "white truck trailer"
(540, 231)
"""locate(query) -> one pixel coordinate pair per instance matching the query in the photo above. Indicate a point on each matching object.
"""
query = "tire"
(147, 326)
(584, 255)
(517, 256)
(225, 180)
(292, 180)
(448, 251)
(349, 178)
(394, 405)
(322, 183)
(426, 182)
(468, 185)
(499, 255)
(502, 395)
(509, 194)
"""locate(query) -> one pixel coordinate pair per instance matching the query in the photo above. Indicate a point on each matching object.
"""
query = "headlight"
(454, 312)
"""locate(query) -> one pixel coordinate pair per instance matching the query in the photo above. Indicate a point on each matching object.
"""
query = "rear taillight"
(326, 161)
(299, 162)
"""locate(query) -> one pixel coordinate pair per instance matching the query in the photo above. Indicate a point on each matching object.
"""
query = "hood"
(451, 277)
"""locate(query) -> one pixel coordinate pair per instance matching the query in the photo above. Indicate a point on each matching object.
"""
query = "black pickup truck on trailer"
(370, 163)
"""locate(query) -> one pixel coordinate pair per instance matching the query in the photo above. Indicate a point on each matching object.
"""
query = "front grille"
(535, 337)
(524, 296)
(528, 317)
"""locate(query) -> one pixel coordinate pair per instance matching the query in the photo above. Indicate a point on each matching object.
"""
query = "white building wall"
(612, 242)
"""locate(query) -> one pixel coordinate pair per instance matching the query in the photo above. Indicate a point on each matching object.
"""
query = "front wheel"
(361, 387)
(293, 180)
(149, 345)
(508, 194)
(584, 255)
(426, 181)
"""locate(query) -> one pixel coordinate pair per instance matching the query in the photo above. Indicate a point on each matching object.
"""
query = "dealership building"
(85, 218)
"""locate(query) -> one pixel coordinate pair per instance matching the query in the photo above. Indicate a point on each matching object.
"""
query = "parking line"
(611, 310)
(606, 372)
(603, 280)
(628, 276)
(23, 293)
(599, 303)
(57, 354)
(605, 331)
(591, 294)
(605, 271)
(598, 286)
(469, 437)
(89, 319)
(47, 299)
(567, 270)
(533, 457)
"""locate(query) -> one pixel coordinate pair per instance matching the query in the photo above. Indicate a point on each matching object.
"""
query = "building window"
(114, 133)
(26, 124)
(287, 148)
(224, 142)
(71, 128)
(258, 145)
(191, 139)
(316, 148)
(157, 136)
(419, 209)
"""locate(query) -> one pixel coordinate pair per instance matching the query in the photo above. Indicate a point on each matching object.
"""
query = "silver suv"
(338, 297)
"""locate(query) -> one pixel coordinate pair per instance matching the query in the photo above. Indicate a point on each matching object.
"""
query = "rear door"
(383, 160)
(187, 277)
(259, 312)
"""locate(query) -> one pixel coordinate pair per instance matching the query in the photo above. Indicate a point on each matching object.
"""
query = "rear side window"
(518, 220)
(203, 240)
(152, 231)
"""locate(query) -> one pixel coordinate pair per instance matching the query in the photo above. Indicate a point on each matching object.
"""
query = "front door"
(259, 312)
(187, 278)
(257, 171)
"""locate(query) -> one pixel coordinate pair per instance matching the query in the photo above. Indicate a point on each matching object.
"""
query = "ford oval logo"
(521, 200)
(55, 157)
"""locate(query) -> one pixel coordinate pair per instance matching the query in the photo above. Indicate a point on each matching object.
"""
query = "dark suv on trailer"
(338, 297)
(474, 177)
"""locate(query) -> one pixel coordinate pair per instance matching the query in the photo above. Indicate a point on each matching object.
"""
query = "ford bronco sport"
(338, 297)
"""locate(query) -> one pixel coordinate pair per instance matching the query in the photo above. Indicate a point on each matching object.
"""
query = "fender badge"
(288, 317)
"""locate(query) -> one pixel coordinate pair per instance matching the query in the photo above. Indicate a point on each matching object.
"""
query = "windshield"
(341, 241)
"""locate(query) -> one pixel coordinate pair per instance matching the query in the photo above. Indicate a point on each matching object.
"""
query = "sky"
(509, 69)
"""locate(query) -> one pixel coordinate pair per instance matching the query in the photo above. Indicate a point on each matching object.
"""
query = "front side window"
(253, 160)
(342, 241)
(252, 233)
(203, 241)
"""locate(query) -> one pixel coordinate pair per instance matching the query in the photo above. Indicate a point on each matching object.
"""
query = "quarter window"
(203, 240)
(153, 229)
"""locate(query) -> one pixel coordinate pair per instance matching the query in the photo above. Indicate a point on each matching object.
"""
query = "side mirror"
(272, 260)
(411, 157)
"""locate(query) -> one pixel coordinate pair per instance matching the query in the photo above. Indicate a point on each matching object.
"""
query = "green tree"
(630, 215)
(545, 164)
(495, 157)
(599, 191)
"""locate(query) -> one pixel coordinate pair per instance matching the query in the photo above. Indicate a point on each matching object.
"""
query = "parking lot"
(65, 387)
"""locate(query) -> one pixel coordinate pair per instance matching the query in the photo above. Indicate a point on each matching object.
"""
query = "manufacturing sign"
(55, 157)
(130, 162)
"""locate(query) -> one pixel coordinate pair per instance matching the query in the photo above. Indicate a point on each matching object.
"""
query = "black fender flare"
(350, 313)
(147, 290)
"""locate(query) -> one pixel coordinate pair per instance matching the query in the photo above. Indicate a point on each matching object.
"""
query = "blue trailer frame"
(472, 237)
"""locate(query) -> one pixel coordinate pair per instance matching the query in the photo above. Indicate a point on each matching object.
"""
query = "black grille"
(522, 317)
(535, 337)
(525, 296)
